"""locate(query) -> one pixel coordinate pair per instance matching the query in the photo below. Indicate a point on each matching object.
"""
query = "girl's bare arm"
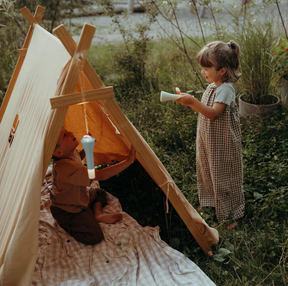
(210, 112)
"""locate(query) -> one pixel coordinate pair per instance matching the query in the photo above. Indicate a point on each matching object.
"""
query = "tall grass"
(256, 62)
(255, 252)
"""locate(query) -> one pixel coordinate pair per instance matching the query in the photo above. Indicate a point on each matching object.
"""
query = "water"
(107, 32)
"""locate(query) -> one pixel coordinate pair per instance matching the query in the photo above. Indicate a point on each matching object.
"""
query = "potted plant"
(280, 53)
(257, 68)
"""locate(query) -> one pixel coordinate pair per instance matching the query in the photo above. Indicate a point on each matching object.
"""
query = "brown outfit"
(73, 199)
(219, 155)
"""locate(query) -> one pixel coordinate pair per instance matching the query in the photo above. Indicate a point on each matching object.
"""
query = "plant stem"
(184, 49)
(167, 19)
(280, 14)
(213, 17)
(199, 21)
(278, 265)
(181, 46)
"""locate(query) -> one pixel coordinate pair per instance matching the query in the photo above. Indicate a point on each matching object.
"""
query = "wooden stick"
(22, 53)
(29, 17)
(146, 156)
(58, 115)
(161, 176)
(79, 55)
(66, 39)
(39, 13)
(81, 97)
(70, 46)
(38, 16)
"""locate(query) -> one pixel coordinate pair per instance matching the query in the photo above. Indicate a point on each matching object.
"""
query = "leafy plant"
(11, 38)
(280, 53)
(55, 10)
(255, 252)
(256, 61)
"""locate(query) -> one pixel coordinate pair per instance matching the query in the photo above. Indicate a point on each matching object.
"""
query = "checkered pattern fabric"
(219, 160)
(129, 255)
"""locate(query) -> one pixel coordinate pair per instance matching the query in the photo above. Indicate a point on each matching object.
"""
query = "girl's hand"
(185, 99)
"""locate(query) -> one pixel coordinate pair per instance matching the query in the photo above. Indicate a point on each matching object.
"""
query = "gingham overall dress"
(219, 160)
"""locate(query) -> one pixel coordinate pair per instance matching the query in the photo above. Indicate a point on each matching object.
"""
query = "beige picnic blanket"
(129, 255)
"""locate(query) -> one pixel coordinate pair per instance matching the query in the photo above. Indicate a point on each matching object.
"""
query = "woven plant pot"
(248, 109)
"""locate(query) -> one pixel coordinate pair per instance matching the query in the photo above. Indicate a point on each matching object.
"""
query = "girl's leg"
(232, 225)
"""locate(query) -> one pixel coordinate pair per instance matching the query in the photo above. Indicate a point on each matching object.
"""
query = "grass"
(255, 252)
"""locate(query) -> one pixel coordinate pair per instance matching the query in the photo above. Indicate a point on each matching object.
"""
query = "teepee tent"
(54, 84)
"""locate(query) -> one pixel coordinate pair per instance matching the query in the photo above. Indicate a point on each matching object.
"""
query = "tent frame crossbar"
(81, 97)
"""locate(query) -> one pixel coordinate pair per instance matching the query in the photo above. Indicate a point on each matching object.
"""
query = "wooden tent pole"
(92, 76)
(70, 45)
(177, 199)
(22, 53)
(79, 97)
(152, 164)
(58, 115)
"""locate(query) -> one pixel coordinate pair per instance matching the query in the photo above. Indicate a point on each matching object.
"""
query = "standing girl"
(219, 152)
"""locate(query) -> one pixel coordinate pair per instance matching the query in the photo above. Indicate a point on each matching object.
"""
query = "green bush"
(12, 35)
(255, 252)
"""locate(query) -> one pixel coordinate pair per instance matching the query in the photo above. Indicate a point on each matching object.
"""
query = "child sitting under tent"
(77, 201)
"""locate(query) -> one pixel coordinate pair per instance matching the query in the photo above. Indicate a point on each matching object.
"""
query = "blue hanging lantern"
(88, 144)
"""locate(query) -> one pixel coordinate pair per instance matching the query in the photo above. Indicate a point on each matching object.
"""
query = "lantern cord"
(81, 59)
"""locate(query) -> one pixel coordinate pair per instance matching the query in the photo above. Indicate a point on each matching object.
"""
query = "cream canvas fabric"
(28, 133)
(21, 162)
(129, 255)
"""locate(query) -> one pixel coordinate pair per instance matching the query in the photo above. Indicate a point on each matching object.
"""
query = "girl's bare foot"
(108, 218)
(232, 225)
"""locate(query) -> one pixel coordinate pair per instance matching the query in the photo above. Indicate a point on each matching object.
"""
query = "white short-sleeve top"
(225, 93)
